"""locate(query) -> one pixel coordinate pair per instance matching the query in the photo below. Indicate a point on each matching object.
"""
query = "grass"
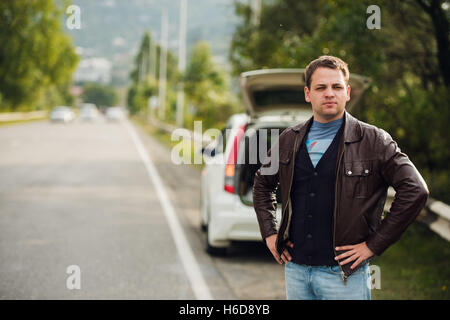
(7, 123)
(415, 267)
(165, 138)
(160, 135)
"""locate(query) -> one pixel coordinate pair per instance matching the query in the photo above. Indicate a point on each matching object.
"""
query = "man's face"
(328, 94)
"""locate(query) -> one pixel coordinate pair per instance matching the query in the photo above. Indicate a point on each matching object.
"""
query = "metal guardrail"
(17, 116)
(436, 214)
(182, 131)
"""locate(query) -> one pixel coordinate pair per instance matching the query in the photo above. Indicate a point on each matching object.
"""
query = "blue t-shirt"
(319, 138)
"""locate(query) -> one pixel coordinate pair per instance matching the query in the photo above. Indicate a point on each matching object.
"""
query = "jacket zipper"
(343, 276)
(290, 185)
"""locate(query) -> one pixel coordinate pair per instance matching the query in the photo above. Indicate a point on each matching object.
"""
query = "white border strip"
(188, 260)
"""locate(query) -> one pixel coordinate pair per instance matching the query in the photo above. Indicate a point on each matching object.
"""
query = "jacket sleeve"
(264, 193)
(411, 194)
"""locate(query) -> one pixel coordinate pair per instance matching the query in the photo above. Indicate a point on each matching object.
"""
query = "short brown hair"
(326, 62)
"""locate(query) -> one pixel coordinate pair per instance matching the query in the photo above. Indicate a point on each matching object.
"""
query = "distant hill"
(113, 28)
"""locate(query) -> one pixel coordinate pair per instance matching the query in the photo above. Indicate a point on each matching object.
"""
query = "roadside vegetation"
(416, 267)
(37, 58)
(207, 87)
(12, 122)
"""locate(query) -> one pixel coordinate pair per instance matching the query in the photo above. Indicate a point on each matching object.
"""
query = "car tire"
(203, 213)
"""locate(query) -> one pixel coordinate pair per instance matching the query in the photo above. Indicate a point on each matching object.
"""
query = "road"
(80, 194)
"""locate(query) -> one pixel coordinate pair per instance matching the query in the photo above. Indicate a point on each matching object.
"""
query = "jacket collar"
(352, 128)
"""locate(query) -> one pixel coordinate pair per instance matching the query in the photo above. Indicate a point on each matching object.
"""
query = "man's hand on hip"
(271, 244)
(358, 252)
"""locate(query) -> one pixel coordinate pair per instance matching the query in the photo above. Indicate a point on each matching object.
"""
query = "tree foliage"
(207, 89)
(144, 84)
(207, 92)
(37, 58)
(101, 95)
(407, 60)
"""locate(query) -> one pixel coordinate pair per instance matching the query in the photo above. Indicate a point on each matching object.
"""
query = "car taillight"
(231, 162)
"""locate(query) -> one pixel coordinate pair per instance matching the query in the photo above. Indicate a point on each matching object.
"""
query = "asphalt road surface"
(85, 215)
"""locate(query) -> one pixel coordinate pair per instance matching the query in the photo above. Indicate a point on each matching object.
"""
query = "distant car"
(89, 112)
(115, 113)
(62, 114)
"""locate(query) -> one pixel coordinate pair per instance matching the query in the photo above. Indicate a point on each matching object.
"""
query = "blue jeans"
(325, 283)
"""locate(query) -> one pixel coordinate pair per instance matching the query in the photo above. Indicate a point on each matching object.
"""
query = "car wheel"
(203, 213)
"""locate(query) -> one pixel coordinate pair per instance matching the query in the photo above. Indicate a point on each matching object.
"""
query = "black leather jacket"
(368, 162)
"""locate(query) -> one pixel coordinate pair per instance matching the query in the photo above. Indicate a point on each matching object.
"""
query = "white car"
(275, 100)
(115, 113)
(62, 114)
(89, 112)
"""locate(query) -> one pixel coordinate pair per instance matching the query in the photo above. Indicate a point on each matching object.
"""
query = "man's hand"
(358, 252)
(271, 244)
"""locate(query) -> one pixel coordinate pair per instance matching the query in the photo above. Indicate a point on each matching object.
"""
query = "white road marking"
(188, 260)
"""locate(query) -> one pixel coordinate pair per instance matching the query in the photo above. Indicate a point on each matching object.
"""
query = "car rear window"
(279, 97)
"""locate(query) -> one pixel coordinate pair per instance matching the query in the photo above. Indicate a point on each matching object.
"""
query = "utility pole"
(256, 12)
(147, 59)
(143, 68)
(163, 66)
(181, 61)
(152, 102)
(153, 46)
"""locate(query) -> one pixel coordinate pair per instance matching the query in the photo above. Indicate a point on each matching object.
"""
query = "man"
(334, 172)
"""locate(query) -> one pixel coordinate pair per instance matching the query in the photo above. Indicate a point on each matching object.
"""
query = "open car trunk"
(257, 141)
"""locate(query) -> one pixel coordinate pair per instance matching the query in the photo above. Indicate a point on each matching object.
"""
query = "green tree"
(439, 18)
(37, 58)
(101, 95)
(142, 60)
(207, 89)
(144, 84)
